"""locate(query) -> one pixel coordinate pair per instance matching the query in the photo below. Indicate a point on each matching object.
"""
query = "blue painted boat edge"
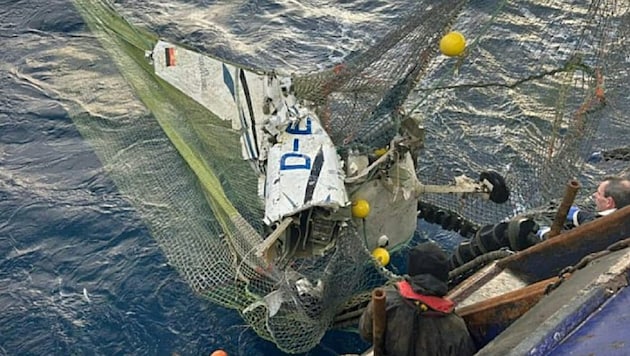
(587, 302)
(604, 332)
(559, 313)
(553, 330)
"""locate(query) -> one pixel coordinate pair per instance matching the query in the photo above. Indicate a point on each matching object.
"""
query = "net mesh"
(536, 119)
(359, 101)
(539, 97)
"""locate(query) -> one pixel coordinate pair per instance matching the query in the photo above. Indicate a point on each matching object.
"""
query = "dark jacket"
(411, 331)
(580, 217)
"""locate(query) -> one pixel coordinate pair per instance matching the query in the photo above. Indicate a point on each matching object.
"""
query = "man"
(420, 321)
(520, 233)
(612, 193)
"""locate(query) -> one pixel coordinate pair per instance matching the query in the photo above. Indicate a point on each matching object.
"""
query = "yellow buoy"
(219, 353)
(453, 44)
(360, 208)
(381, 255)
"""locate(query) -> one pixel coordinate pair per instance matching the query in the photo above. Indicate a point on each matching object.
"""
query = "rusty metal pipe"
(561, 215)
(379, 321)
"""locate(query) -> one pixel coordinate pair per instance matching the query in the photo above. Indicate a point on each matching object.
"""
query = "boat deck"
(578, 307)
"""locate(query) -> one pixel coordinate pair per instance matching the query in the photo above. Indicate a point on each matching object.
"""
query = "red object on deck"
(170, 56)
(441, 304)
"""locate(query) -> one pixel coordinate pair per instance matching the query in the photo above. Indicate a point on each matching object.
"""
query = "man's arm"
(577, 217)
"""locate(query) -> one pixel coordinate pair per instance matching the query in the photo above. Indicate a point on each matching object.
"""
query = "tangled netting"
(540, 96)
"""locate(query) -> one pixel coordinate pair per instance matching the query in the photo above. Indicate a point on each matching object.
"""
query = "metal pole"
(379, 321)
(561, 215)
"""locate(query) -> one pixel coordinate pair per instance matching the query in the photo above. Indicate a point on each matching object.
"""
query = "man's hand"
(542, 231)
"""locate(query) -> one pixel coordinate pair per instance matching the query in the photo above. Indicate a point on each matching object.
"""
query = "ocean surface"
(80, 273)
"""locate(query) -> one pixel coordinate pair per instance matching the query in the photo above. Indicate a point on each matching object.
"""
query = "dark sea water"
(79, 272)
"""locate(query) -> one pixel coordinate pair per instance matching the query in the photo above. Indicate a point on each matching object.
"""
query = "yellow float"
(381, 255)
(360, 208)
(453, 44)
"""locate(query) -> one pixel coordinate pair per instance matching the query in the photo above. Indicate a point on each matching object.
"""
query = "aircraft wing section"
(229, 92)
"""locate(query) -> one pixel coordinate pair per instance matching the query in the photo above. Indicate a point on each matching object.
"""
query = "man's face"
(601, 201)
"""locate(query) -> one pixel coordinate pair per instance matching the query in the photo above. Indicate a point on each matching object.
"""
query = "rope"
(566, 272)
(473, 44)
(479, 261)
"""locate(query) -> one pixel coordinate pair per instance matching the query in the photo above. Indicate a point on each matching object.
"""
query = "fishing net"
(535, 98)
(539, 96)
